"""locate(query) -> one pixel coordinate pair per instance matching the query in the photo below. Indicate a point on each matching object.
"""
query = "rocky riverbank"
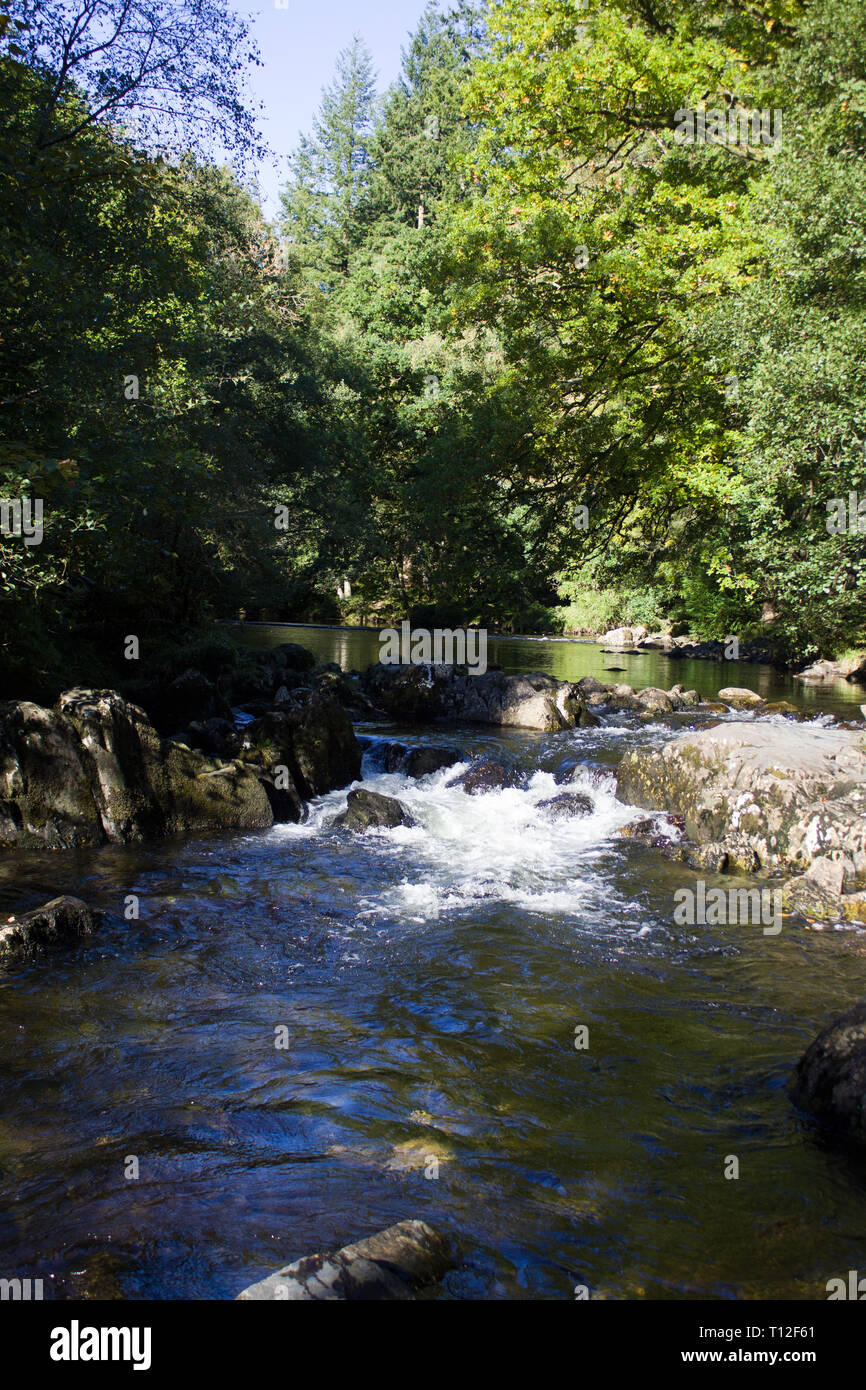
(622, 640)
(630, 640)
(427, 694)
(95, 769)
(765, 797)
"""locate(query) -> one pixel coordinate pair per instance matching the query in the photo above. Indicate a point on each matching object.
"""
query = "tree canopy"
(562, 330)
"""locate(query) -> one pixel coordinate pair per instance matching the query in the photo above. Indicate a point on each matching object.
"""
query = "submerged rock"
(652, 833)
(487, 775)
(61, 922)
(420, 762)
(830, 1079)
(414, 762)
(389, 1265)
(567, 805)
(783, 707)
(391, 756)
(644, 829)
(818, 894)
(366, 810)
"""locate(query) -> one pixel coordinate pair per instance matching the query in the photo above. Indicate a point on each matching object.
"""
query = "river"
(568, 659)
(427, 983)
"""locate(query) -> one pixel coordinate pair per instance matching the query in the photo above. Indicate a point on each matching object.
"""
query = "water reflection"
(571, 659)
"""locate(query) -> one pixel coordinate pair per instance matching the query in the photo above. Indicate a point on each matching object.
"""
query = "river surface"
(427, 984)
(568, 659)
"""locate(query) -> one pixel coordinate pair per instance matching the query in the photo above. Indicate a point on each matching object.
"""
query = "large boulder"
(144, 785)
(95, 769)
(830, 1079)
(789, 794)
(424, 693)
(313, 738)
(623, 636)
(590, 685)
(61, 922)
(429, 757)
(389, 1265)
(651, 698)
(291, 656)
(366, 810)
(46, 797)
(740, 697)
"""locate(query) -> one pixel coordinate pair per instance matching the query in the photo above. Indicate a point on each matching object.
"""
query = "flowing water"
(425, 985)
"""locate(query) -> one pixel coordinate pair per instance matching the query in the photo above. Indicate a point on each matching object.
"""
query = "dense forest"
(567, 329)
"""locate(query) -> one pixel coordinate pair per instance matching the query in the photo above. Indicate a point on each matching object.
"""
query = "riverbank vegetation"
(517, 285)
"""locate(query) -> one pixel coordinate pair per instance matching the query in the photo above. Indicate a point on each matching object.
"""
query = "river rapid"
(425, 985)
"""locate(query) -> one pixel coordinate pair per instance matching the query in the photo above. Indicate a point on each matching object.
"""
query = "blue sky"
(299, 46)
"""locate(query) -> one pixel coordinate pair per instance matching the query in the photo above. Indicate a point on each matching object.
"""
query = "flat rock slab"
(790, 793)
(386, 1266)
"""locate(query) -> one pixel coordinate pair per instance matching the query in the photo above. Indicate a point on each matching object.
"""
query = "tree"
(169, 71)
(799, 330)
(326, 201)
(422, 139)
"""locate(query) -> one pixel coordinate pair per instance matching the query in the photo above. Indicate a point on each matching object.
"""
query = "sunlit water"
(429, 981)
(568, 659)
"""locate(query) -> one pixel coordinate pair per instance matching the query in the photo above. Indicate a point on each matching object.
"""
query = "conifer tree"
(326, 201)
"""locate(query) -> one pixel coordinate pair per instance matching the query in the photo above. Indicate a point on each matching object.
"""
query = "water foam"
(500, 846)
